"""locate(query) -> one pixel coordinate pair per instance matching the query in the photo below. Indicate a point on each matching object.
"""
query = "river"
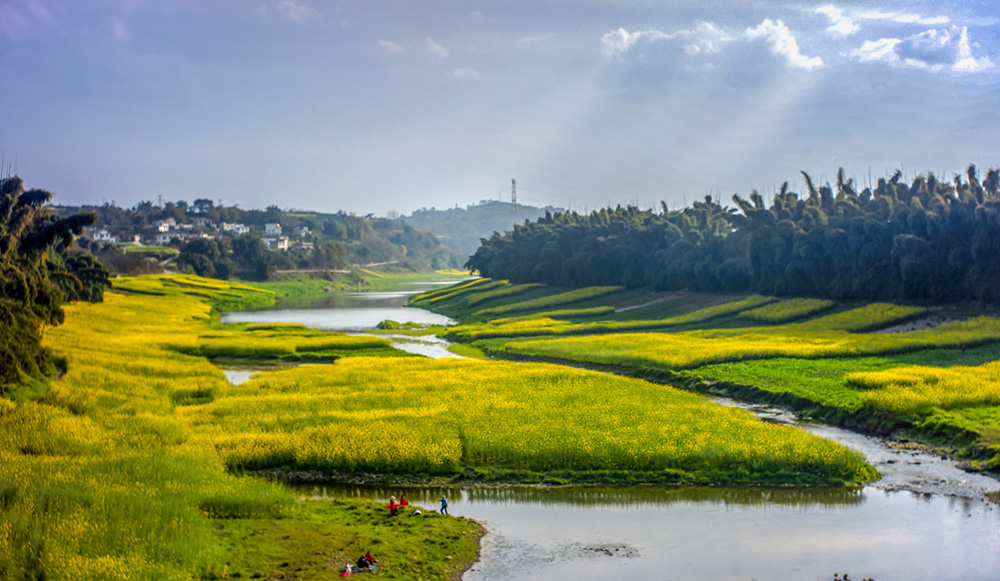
(924, 520)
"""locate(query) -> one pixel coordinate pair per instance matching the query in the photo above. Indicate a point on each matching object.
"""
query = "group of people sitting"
(365, 563)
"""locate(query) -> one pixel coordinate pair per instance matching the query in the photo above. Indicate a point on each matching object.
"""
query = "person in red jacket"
(392, 506)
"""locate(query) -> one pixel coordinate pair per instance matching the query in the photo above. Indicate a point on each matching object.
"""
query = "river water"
(925, 520)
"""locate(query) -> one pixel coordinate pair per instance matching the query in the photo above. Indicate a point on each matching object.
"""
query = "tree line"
(924, 241)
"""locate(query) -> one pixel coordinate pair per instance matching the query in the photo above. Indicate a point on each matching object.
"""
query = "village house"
(101, 235)
(238, 229)
(277, 243)
(165, 225)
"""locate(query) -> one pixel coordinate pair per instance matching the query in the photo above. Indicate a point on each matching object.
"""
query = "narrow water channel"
(925, 520)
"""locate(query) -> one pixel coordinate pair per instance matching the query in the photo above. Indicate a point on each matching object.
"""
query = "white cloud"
(964, 61)
(840, 24)
(705, 37)
(783, 43)
(619, 41)
(297, 11)
(119, 29)
(435, 50)
(932, 50)
(471, 74)
(903, 18)
(873, 51)
(390, 47)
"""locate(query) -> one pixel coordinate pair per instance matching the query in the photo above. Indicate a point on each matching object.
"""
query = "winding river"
(924, 520)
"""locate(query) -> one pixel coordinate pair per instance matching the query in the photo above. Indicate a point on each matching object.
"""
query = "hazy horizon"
(392, 106)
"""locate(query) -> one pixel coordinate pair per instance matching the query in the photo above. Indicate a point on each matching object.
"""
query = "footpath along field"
(938, 384)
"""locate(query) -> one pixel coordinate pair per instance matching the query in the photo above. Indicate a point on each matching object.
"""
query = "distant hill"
(462, 229)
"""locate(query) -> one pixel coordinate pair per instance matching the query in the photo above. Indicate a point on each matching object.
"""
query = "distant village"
(169, 232)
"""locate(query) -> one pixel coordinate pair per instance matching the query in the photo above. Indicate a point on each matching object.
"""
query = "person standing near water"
(444, 504)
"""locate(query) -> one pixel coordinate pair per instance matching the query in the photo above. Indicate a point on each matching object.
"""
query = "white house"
(102, 235)
(277, 243)
(163, 238)
(238, 229)
(300, 231)
(272, 229)
(202, 222)
(165, 225)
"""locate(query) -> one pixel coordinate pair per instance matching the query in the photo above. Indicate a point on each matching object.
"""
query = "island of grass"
(822, 358)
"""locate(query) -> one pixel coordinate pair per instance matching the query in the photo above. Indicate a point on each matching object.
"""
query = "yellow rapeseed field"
(434, 416)
(918, 388)
(696, 348)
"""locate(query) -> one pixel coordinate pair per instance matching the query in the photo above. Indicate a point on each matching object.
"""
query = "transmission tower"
(513, 194)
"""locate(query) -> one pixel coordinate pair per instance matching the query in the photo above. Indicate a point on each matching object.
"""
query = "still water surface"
(351, 312)
(902, 528)
(699, 533)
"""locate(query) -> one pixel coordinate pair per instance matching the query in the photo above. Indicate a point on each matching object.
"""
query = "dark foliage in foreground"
(39, 270)
(926, 241)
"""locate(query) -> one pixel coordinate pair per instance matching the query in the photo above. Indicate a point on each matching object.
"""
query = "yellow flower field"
(910, 389)
(434, 416)
(696, 348)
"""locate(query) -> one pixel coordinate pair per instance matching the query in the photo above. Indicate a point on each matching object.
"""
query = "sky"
(378, 106)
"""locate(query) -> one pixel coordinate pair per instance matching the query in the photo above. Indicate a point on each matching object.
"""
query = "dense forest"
(462, 229)
(928, 241)
(39, 271)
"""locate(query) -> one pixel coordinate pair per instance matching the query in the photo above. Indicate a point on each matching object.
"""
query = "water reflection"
(716, 533)
(615, 497)
(352, 311)
(339, 318)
